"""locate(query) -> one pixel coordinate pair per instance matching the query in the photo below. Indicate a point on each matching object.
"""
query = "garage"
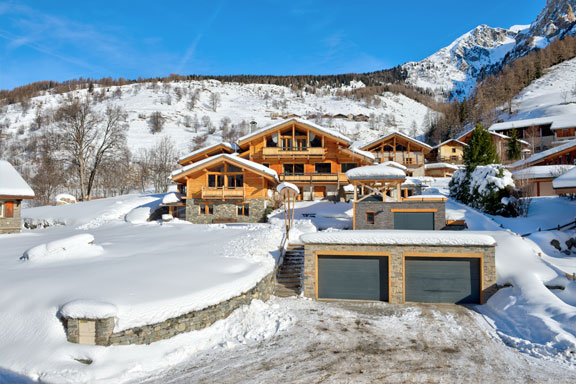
(442, 280)
(352, 277)
(414, 220)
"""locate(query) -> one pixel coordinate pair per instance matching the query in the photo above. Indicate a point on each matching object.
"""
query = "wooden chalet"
(562, 154)
(399, 148)
(450, 151)
(303, 153)
(225, 188)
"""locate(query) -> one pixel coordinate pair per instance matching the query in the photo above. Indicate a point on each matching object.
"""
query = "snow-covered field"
(149, 272)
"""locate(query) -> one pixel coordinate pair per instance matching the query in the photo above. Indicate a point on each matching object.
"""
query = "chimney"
(253, 125)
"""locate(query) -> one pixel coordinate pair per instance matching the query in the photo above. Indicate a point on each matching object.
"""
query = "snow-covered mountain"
(455, 69)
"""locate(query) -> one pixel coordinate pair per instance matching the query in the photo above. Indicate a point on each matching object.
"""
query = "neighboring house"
(303, 153)
(543, 132)
(562, 154)
(500, 143)
(225, 188)
(565, 184)
(450, 151)
(13, 189)
(399, 148)
(537, 180)
(440, 169)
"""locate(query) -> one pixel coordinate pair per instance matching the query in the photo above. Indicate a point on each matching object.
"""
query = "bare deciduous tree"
(163, 157)
(156, 122)
(214, 100)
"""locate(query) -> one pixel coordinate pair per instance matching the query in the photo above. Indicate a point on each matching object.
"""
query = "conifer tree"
(514, 150)
(480, 150)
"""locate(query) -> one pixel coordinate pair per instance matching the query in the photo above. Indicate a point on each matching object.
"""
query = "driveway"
(341, 342)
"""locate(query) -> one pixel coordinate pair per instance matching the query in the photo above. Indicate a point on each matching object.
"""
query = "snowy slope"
(239, 102)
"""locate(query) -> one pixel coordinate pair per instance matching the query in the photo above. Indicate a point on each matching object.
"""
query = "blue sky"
(59, 40)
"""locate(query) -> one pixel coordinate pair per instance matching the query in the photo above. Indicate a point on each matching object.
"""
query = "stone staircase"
(289, 276)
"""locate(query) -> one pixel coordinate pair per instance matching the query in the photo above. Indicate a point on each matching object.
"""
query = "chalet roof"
(12, 184)
(359, 152)
(243, 163)
(230, 146)
(383, 138)
(542, 155)
(447, 141)
(555, 122)
(395, 165)
(328, 132)
(542, 172)
(567, 180)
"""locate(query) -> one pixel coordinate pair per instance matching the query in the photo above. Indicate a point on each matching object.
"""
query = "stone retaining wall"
(226, 210)
(396, 254)
(191, 321)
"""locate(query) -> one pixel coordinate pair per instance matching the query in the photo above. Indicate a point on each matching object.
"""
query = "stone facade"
(396, 254)
(384, 217)
(11, 224)
(226, 211)
(191, 321)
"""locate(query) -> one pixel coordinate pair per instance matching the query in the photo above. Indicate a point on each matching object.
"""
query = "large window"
(293, 169)
(323, 167)
(345, 167)
(243, 209)
(225, 176)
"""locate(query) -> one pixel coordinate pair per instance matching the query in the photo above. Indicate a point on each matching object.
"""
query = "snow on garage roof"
(317, 127)
(542, 171)
(12, 184)
(233, 158)
(375, 172)
(567, 180)
(399, 237)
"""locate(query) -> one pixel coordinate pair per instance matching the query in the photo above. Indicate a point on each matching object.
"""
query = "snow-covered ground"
(149, 272)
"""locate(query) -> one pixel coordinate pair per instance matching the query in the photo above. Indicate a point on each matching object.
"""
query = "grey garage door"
(442, 280)
(414, 220)
(353, 277)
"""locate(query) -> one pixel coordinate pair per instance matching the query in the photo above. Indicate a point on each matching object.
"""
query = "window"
(206, 209)
(408, 161)
(243, 209)
(216, 181)
(344, 167)
(225, 176)
(293, 169)
(182, 188)
(323, 168)
(370, 217)
(453, 150)
(235, 181)
(267, 165)
(7, 209)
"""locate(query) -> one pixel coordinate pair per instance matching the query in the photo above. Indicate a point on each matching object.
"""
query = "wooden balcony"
(293, 152)
(314, 178)
(409, 159)
(223, 193)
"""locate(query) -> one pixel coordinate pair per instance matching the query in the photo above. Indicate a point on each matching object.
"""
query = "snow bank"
(138, 215)
(399, 237)
(65, 198)
(291, 186)
(88, 309)
(375, 172)
(11, 183)
(78, 246)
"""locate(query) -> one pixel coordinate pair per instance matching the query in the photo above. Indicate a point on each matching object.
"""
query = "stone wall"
(191, 321)
(396, 253)
(226, 210)
(384, 217)
(11, 224)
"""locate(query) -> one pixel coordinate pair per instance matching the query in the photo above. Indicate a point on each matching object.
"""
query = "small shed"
(400, 266)
(13, 189)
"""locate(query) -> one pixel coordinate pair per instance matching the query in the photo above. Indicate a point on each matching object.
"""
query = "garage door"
(414, 220)
(442, 280)
(353, 277)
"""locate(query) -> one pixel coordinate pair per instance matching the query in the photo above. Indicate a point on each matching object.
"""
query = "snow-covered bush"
(489, 188)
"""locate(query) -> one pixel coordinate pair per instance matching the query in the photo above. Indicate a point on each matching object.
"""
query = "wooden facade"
(451, 151)
(312, 157)
(399, 148)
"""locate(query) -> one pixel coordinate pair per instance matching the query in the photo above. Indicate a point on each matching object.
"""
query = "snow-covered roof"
(556, 122)
(317, 127)
(233, 158)
(539, 156)
(412, 181)
(427, 197)
(399, 237)
(567, 180)
(375, 172)
(395, 165)
(232, 147)
(12, 184)
(494, 134)
(541, 172)
(447, 141)
(285, 185)
(440, 166)
(172, 198)
(360, 152)
(382, 138)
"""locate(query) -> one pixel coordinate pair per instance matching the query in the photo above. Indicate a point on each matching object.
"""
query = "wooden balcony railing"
(306, 152)
(310, 178)
(223, 193)
(409, 159)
